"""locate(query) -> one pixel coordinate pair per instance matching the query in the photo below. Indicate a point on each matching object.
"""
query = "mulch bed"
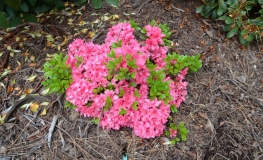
(223, 110)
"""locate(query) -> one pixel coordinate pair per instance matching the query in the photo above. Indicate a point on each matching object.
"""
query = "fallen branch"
(22, 102)
(51, 129)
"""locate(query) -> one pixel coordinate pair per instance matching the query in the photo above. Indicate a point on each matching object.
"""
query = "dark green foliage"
(98, 3)
(10, 10)
(243, 18)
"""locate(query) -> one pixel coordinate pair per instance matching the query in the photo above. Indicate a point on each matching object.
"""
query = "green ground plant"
(14, 12)
(57, 74)
(241, 17)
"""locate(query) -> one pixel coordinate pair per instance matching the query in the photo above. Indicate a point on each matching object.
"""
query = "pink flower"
(173, 133)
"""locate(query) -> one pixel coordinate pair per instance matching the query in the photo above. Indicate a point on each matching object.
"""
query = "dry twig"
(51, 129)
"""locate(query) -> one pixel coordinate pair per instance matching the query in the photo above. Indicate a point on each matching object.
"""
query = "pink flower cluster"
(88, 63)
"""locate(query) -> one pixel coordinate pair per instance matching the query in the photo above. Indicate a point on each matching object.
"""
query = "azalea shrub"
(130, 82)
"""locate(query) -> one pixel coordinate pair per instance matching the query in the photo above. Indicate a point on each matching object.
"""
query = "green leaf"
(24, 7)
(114, 3)
(122, 112)
(45, 8)
(2, 6)
(227, 27)
(121, 93)
(220, 11)
(15, 21)
(136, 93)
(135, 105)
(242, 40)
(199, 9)
(30, 17)
(49, 2)
(260, 1)
(95, 121)
(173, 109)
(232, 32)
(3, 21)
(11, 12)
(183, 137)
(97, 4)
(250, 38)
(12, 3)
(32, 2)
(133, 84)
(229, 20)
(59, 4)
(80, 2)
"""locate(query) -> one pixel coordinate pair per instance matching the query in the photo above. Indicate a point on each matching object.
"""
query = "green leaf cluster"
(101, 89)
(69, 105)
(181, 130)
(135, 105)
(10, 10)
(175, 63)
(236, 15)
(158, 88)
(57, 74)
(122, 112)
(108, 104)
(165, 30)
(121, 73)
(173, 109)
(135, 25)
(95, 121)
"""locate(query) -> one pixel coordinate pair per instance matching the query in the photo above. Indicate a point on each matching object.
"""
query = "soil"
(222, 111)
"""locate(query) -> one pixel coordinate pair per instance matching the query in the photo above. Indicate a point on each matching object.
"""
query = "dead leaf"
(28, 91)
(44, 112)
(210, 125)
(32, 64)
(32, 78)
(44, 92)
(115, 17)
(181, 26)
(18, 67)
(2, 84)
(10, 89)
(32, 58)
(9, 126)
(203, 115)
(3, 150)
(202, 42)
(27, 105)
(216, 58)
(164, 139)
(91, 34)
(84, 30)
(44, 104)
(211, 48)
(34, 107)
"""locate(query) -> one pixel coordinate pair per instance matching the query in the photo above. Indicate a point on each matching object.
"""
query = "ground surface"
(223, 110)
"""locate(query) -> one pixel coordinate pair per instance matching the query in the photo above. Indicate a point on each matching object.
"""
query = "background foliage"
(241, 17)
(14, 12)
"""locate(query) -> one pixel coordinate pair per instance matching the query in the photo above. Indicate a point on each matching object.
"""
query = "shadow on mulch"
(223, 110)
